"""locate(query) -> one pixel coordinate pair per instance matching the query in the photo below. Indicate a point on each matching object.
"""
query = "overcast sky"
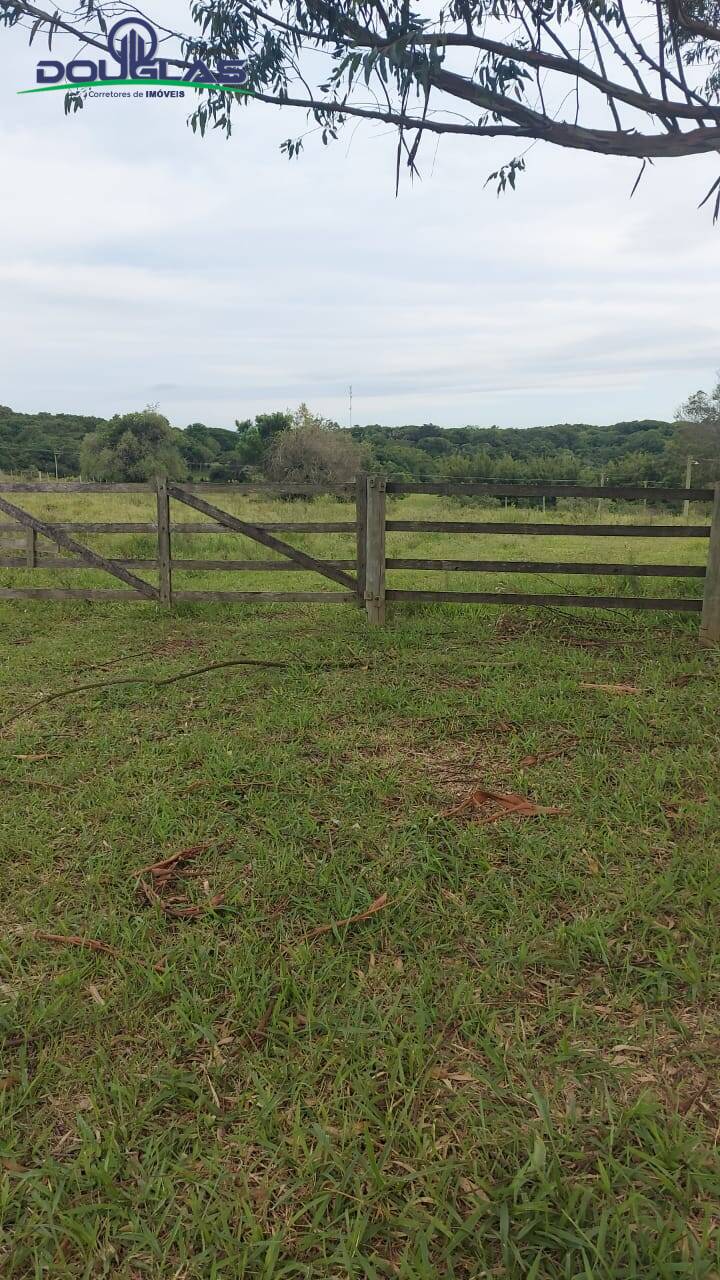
(139, 263)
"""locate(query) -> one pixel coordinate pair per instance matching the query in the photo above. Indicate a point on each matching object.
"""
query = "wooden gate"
(55, 533)
(258, 534)
(339, 572)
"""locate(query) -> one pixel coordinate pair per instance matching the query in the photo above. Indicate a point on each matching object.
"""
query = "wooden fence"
(362, 578)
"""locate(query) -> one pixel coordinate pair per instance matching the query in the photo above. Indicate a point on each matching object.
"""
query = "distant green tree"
(197, 447)
(241, 463)
(698, 433)
(314, 451)
(269, 425)
(134, 447)
(404, 461)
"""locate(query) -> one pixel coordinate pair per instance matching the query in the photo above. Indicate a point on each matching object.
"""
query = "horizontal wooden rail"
(248, 597)
(476, 488)
(68, 593)
(92, 486)
(210, 566)
(450, 566)
(444, 566)
(278, 597)
(545, 566)
(579, 602)
(193, 526)
(471, 488)
(552, 530)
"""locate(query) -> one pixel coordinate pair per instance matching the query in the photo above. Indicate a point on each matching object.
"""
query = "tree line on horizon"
(301, 446)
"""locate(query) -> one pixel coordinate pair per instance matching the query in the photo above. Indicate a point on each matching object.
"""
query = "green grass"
(510, 1070)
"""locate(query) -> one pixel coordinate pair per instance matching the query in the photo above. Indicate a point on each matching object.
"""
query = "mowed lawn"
(508, 1068)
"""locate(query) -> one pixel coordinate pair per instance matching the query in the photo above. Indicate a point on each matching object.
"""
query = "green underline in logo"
(146, 84)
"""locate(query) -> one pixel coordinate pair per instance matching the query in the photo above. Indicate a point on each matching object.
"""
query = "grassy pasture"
(509, 1070)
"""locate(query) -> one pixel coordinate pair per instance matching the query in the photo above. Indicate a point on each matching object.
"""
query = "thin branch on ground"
(167, 680)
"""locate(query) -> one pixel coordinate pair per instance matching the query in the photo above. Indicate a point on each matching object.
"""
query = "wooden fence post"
(361, 536)
(31, 548)
(689, 464)
(163, 541)
(710, 618)
(375, 554)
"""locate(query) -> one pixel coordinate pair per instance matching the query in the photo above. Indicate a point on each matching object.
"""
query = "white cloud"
(138, 262)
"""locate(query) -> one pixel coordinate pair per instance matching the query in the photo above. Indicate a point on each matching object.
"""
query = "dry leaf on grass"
(372, 910)
(610, 688)
(504, 801)
(8, 1082)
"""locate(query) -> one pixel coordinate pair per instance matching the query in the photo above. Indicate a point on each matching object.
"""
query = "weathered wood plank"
(67, 593)
(375, 556)
(445, 488)
(70, 486)
(275, 526)
(579, 602)
(545, 566)
(231, 566)
(477, 488)
(710, 621)
(361, 536)
(254, 566)
(163, 542)
(249, 597)
(274, 489)
(193, 526)
(62, 539)
(94, 526)
(277, 597)
(552, 530)
(258, 534)
(93, 486)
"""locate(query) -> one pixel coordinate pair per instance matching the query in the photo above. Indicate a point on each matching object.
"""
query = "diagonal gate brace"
(92, 558)
(260, 535)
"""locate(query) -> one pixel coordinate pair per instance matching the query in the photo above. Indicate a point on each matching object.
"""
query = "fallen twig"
(192, 911)
(30, 782)
(74, 940)
(541, 757)
(377, 905)
(120, 657)
(506, 801)
(164, 868)
(91, 944)
(183, 675)
(610, 688)
(259, 1032)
